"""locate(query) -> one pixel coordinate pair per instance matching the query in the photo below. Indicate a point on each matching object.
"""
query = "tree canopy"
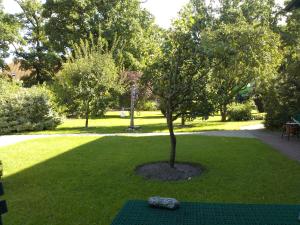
(87, 79)
(35, 52)
(8, 34)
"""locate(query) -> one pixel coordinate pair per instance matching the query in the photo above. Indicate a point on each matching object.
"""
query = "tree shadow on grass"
(85, 180)
(84, 185)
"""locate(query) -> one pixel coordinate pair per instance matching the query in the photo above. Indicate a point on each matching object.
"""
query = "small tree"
(88, 77)
(178, 83)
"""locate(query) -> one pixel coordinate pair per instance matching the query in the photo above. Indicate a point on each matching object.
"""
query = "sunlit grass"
(148, 121)
(86, 180)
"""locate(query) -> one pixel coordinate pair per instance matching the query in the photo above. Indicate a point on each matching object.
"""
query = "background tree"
(240, 54)
(282, 94)
(133, 27)
(8, 34)
(88, 78)
(35, 53)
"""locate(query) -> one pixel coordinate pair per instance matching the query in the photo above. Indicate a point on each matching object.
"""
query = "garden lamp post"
(132, 103)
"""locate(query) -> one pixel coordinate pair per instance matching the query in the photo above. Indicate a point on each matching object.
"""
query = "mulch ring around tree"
(162, 171)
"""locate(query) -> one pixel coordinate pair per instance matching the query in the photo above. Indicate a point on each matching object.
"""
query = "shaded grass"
(149, 122)
(86, 180)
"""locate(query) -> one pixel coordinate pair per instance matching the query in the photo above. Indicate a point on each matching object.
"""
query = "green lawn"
(149, 122)
(86, 180)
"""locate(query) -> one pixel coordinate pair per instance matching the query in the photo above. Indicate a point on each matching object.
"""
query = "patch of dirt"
(162, 171)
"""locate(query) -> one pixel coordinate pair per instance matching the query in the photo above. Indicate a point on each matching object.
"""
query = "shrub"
(27, 110)
(258, 116)
(240, 112)
(147, 106)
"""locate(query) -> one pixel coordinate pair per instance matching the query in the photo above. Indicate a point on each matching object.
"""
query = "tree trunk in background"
(223, 111)
(87, 112)
(182, 120)
(172, 139)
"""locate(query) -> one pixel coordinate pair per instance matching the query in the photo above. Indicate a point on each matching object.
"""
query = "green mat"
(139, 213)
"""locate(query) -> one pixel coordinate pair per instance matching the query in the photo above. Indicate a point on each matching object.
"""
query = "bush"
(147, 106)
(26, 110)
(240, 112)
(258, 116)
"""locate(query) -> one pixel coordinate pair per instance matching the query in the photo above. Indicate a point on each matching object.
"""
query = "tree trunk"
(87, 112)
(223, 113)
(172, 139)
(182, 120)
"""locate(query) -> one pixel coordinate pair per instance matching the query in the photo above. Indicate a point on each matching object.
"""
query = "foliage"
(237, 48)
(282, 94)
(240, 54)
(147, 106)
(70, 21)
(51, 28)
(35, 52)
(87, 80)
(8, 34)
(8, 85)
(23, 109)
(282, 100)
(240, 112)
(258, 116)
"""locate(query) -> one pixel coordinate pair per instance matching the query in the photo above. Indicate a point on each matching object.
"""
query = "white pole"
(133, 93)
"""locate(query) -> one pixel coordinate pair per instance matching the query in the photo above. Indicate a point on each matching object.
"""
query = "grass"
(86, 180)
(149, 122)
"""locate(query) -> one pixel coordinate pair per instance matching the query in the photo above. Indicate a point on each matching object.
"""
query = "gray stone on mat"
(165, 203)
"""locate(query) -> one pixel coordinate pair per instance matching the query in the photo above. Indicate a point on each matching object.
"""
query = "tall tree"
(282, 94)
(8, 34)
(36, 54)
(237, 39)
(240, 54)
(124, 20)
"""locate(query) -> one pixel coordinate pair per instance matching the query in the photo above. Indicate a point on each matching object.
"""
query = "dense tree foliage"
(51, 28)
(35, 52)
(282, 94)
(238, 43)
(88, 79)
(126, 21)
(8, 34)
(239, 54)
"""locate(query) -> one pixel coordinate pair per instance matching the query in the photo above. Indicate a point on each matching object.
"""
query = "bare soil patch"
(162, 171)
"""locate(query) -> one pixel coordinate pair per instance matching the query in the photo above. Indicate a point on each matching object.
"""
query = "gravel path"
(290, 148)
